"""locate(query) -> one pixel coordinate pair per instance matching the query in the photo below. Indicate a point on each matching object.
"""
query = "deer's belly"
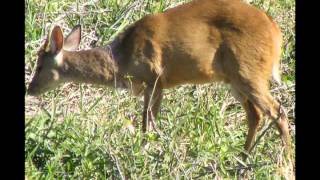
(186, 74)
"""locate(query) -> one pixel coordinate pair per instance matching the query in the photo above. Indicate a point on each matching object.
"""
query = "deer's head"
(48, 74)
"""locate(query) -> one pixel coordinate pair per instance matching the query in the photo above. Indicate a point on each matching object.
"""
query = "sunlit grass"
(80, 131)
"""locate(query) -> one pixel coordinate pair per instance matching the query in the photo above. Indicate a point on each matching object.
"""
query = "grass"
(82, 131)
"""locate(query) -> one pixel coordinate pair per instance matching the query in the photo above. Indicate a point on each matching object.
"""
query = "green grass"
(81, 130)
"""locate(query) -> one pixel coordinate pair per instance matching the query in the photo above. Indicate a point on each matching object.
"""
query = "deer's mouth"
(33, 92)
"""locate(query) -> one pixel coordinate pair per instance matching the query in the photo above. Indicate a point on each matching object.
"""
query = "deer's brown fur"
(199, 42)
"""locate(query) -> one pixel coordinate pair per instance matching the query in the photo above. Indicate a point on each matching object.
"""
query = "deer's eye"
(39, 68)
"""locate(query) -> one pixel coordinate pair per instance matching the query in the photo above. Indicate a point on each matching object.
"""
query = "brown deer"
(198, 42)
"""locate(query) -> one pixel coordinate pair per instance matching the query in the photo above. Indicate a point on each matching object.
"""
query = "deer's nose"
(31, 90)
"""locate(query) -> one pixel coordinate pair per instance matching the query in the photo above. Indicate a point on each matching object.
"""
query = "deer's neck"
(94, 66)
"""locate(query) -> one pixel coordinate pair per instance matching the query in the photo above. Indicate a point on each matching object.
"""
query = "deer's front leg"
(152, 100)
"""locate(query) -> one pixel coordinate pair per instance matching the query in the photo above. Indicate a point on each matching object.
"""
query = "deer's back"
(202, 41)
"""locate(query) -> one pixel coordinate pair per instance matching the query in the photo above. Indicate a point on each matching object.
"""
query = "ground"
(83, 131)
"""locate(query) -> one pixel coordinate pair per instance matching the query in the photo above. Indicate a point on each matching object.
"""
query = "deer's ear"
(55, 40)
(72, 41)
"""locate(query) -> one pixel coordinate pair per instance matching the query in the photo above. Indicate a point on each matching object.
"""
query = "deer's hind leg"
(257, 92)
(254, 117)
